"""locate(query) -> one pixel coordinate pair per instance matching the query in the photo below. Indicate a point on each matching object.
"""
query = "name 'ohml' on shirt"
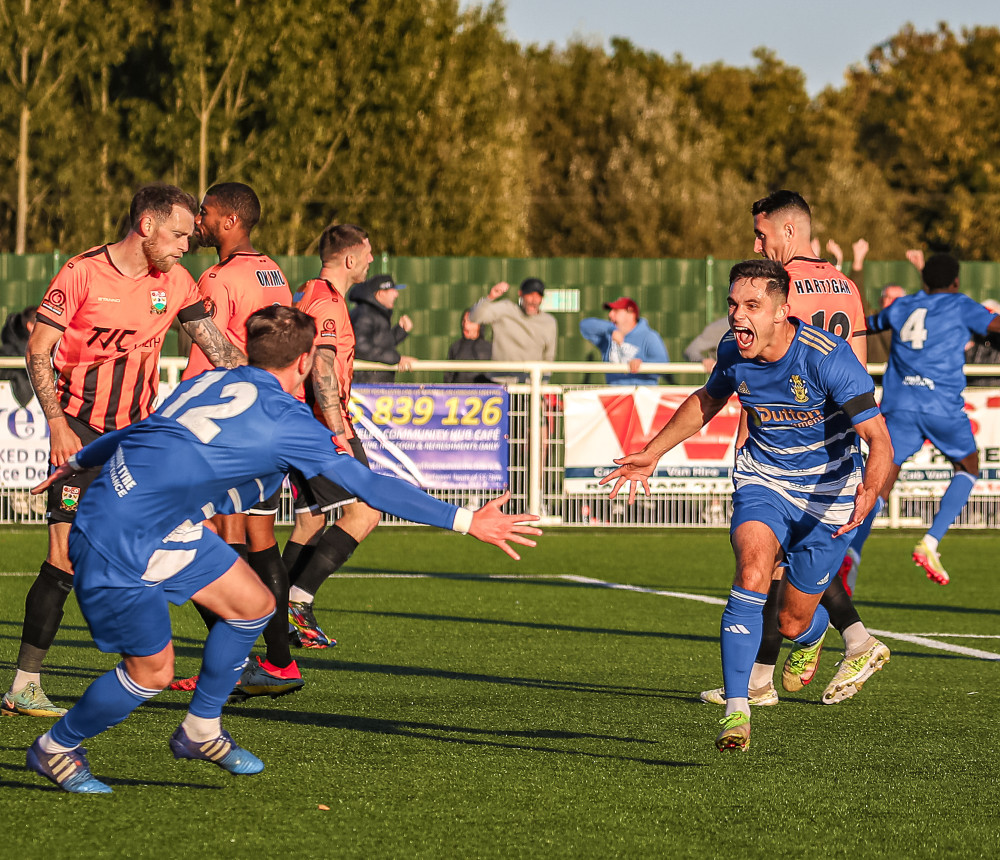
(827, 286)
(270, 278)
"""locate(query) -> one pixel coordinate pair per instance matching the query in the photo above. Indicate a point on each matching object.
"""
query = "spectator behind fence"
(375, 337)
(471, 346)
(521, 332)
(14, 342)
(626, 338)
(705, 347)
(984, 350)
(880, 341)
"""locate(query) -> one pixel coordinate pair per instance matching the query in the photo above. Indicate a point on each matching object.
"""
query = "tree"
(406, 126)
(926, 108)
(59, 69)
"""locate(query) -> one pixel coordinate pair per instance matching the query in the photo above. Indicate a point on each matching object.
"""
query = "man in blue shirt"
(625, 338)
(800, 485)
(922, 394)
(222, 442)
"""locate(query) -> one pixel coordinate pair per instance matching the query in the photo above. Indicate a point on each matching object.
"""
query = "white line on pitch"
(888, 634)
(912, 638)
(961, 635)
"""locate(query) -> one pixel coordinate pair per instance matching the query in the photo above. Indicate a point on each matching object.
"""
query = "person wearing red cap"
(625, 338)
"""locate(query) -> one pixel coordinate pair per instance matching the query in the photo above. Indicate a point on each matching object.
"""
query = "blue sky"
(822, 39)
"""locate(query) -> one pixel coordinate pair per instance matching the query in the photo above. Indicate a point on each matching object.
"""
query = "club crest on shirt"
(54, 302)
(70, 498)
(798, 387)
(159, 301)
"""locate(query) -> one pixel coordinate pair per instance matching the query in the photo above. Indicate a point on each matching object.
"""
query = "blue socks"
(113, 696)
(226, 650)
(952, 502)
(862, 531)
(105, 703)
(742, 626)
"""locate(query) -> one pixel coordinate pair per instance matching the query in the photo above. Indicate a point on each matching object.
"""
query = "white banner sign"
(24, 441)
(606, 423)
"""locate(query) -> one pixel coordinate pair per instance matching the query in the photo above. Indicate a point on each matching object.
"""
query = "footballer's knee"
(255, 602)
(791, 624)
(267, 606)
(359, 520)
(308, 527)
(153, 672)
(754, 577)
(969, 465)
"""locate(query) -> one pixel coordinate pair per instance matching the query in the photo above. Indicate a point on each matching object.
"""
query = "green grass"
(463, 716)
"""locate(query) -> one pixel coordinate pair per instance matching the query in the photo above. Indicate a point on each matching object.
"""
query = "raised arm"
(214, 343)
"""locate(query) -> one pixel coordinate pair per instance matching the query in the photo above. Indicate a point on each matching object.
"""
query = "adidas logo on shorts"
(736, 628)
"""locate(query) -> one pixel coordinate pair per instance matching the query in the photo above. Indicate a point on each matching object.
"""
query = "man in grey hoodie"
(521, 332)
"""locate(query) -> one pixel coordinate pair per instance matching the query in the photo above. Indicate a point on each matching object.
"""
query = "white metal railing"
(537, 457)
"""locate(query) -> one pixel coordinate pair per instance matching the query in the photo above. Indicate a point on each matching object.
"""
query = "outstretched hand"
(491, 525)
(60, 474)
(634, 470)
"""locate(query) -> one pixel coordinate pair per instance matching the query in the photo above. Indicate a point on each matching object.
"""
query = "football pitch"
(479, 707)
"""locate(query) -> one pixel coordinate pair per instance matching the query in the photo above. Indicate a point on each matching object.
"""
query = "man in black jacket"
(375, 337)
(472, 346)
(14, 341)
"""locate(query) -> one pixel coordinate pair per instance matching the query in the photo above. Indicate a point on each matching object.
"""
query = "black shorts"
(321, 494)
(64, 496)
(269, 507)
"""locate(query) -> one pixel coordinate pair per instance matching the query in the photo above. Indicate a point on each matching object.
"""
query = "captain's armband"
(862, 403)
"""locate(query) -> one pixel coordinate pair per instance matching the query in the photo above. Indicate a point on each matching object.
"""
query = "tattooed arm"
(213, 343)
(63, 443)
(327, 391)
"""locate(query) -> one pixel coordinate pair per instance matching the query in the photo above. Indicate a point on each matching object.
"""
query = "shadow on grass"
(113, 781)
(929, 607)
(443, 734)
(503, 680)
(529, 625)
(553, 580)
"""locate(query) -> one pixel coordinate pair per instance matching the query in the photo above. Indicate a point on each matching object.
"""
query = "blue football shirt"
(801, 410)
(927, 354)
(222, 442)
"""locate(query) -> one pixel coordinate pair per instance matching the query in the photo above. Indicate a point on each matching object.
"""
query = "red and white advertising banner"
(605, 423)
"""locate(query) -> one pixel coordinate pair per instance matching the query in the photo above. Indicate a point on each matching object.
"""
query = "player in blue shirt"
(799, 479)
(922, 394)
(220, 443)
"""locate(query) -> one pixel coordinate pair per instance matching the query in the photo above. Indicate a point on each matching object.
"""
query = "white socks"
(202, 729)
(22, 679)
(297, 595)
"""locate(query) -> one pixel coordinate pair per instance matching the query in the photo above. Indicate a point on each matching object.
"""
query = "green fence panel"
(678, 297)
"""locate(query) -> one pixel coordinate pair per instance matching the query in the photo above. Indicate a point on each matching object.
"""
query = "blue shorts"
(812, 553)
(951, 435)
(128, 611)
